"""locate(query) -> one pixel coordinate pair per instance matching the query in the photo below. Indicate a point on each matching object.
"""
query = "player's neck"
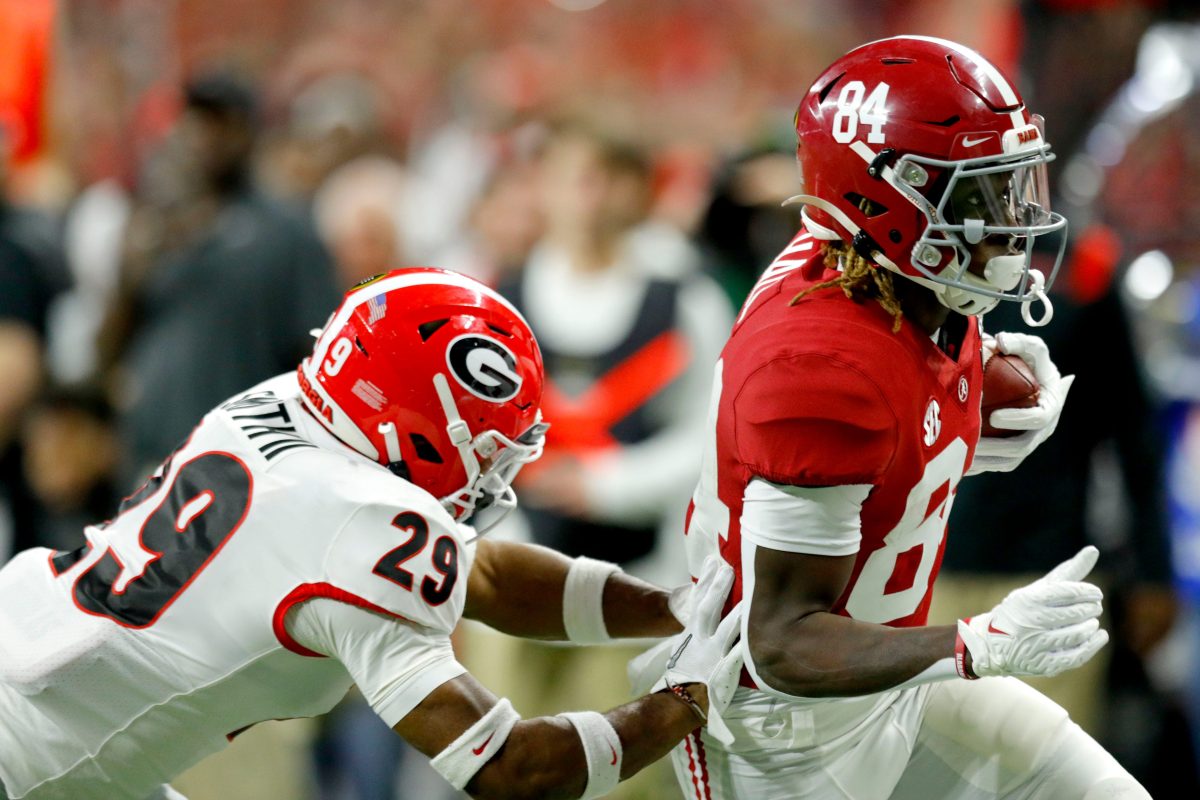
(921, 306)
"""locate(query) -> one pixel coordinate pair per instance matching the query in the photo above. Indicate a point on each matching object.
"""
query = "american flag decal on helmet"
(378, 306)
(370, 394)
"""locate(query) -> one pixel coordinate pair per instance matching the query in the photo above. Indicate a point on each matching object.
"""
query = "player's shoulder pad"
(814, 419)
(401, 553)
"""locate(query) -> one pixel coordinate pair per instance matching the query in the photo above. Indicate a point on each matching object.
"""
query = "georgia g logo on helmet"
(485, 367)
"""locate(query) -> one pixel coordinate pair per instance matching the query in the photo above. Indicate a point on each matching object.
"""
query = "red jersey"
(824, 393)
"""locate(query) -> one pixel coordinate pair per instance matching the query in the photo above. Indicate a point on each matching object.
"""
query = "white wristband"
(467, 754)
(602, 748)
(583, 600)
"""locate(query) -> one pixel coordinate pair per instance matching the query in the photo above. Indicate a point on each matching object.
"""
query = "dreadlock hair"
(859, 279)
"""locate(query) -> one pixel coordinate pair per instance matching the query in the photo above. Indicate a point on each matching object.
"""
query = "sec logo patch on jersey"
(485, 367)
(932, 423)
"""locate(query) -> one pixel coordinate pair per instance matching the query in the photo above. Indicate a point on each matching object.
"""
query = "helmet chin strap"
(459, 433)
(391, 440)
(487, 490)
(1039, 294)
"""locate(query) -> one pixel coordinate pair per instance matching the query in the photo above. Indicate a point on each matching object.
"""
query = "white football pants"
(991, 739)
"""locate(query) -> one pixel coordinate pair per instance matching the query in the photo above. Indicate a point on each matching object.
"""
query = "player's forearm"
(544, 757)
(518, 589)
(828, 655)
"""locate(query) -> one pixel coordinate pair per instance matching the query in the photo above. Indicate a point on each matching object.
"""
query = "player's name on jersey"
(267, 423)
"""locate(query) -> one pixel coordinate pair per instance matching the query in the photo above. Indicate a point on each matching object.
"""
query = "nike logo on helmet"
(479, 750)
(969, 142)
(993, 629)
(614, 752)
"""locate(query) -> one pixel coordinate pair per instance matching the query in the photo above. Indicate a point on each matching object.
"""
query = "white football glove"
(646, 668)
(680, 602)
(995, 454)
(1045, 628)
(708, 651)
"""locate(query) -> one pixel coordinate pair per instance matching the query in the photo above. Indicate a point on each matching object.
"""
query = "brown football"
(1008, 382)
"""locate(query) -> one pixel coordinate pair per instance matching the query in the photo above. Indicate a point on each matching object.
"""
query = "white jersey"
(126, 661)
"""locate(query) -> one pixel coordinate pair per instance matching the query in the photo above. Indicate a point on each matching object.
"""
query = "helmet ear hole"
(895, 236)
(425, 449)
(870, 208)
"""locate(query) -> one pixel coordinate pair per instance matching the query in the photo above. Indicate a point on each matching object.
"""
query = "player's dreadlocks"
(859, 278)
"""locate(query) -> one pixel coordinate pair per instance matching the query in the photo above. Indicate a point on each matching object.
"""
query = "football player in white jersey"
(311, 534)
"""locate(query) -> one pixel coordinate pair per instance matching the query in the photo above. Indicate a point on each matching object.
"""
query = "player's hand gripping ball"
(1008, 382)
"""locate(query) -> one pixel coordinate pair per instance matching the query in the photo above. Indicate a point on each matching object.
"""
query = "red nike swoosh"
(614, 751)
(479, 750)
(993, 629)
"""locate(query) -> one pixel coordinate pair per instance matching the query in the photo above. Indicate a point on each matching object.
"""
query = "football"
(1008, 382)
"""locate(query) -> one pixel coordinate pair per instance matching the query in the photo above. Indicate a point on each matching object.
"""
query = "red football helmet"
(912, 148)
(436, 376)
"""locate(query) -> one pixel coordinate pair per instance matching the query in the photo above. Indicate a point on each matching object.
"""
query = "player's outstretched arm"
(534, 592)
(482, 745)
(458, 726)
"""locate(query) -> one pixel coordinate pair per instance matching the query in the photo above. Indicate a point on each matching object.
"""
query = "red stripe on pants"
(703, 766)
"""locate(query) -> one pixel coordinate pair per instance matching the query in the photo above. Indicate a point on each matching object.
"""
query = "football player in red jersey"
(312, 534)
(845, 410)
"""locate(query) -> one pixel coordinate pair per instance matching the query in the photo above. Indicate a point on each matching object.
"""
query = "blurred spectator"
(29, 277)
(331, 122)
(502, 227)
(92, 236)
(629, 343)
(357, 213)
(219, 285)
(70, 457)
(745, 225)
(1062, 34)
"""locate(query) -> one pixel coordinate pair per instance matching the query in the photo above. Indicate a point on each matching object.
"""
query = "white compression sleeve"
(602, 748)
(475, 746)
(820, 520)
(583, 600)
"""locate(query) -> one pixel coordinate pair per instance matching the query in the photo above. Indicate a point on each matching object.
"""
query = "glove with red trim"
(1045, 628)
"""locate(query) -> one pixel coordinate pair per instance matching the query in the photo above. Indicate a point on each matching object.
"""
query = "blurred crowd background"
(188, 185)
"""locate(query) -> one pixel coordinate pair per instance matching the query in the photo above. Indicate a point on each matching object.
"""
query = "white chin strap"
(487, 490)
(1039, 292)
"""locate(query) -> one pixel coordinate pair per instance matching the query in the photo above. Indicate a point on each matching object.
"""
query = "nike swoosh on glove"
(1045, 628)
(708, 651)
(994, 454)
